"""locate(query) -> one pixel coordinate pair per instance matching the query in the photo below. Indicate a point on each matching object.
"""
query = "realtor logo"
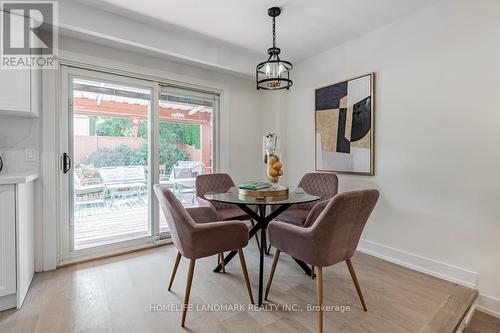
(28, 34)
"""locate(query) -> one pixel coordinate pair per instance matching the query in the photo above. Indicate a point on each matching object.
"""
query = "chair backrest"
(179, 222)
(338, 228)
(183, 173)
(134, 173)
(195, 166)
(122, 174)
(322, 184)
(214, 183)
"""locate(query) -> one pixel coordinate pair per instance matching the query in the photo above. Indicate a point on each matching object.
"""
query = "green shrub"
(170, 154)
(123, 155)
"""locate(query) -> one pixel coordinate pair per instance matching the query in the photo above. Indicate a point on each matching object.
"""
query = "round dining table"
(280, 204)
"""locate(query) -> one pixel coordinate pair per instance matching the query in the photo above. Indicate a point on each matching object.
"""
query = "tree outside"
(123, 155)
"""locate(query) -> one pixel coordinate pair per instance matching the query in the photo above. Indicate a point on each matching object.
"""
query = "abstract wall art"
(344, 115)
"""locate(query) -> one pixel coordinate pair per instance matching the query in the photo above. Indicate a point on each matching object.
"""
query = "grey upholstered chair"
(197, 240)
(330, 239)
(219, 183)
(316, 183)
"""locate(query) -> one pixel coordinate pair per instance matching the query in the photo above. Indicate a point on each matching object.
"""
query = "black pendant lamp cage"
(274, 73)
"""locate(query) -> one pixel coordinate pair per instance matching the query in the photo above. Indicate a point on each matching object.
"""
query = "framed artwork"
(344, 122)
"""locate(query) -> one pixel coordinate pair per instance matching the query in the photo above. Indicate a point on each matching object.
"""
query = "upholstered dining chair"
(321, 184)
(330, 239)
(204, 214)
(219, 183)
(197, 240)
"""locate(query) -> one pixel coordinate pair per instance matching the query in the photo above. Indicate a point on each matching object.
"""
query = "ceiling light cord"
(274, 32)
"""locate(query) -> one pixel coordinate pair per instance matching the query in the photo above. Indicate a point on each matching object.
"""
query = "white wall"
(437, 135)
(158, 37)
(16, 134)
(273, 105)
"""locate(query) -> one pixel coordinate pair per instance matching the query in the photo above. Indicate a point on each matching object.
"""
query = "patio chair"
(183, 177)
(195, 166)
(87, 191)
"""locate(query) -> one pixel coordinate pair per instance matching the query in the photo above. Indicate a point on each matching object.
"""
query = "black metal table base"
(262, 222)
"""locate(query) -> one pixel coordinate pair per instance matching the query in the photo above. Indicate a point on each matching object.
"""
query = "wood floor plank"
(129, 294)
(483, 323)
(452, 311)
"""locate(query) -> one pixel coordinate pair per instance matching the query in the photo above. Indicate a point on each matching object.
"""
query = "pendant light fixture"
(274, 73)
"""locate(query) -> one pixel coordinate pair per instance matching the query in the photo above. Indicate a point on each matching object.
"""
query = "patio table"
(295, 196)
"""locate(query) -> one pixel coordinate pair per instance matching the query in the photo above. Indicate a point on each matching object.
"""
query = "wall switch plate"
(30, 155)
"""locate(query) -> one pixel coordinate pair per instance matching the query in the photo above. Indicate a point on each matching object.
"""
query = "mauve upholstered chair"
(330, 239)
(219, 183)
(321, 184)
(204, 214)
(197, 240)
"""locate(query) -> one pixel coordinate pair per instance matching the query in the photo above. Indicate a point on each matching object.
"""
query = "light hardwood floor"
(116, 295)
(483, 323)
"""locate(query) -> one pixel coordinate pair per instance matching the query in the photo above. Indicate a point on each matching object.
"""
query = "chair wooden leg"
(188, 291)
(176, 265)
(356, 283)
(273, 269)
(245, 274)
(223, 264)
(319, 284)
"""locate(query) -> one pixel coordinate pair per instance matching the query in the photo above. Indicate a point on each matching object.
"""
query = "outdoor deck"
(97, 224)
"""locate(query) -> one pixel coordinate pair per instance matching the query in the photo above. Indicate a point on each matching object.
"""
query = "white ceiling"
(304, 28)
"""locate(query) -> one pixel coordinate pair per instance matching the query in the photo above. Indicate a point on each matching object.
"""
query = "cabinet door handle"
(66, 163)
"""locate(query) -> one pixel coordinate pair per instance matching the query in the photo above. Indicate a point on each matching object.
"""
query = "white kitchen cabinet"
(8, 240)
(20, 91)
(17, 241)
(15, 88)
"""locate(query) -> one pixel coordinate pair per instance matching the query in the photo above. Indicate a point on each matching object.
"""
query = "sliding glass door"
(120, 136)
(186, 141)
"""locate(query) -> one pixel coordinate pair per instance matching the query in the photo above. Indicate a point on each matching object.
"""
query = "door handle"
(66, 163)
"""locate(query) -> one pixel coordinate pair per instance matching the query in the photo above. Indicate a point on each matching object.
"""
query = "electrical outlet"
(30, 155)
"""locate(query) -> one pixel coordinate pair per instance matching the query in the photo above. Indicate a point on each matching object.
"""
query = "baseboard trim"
(8, 302)
(421, 264)
(488, 305)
